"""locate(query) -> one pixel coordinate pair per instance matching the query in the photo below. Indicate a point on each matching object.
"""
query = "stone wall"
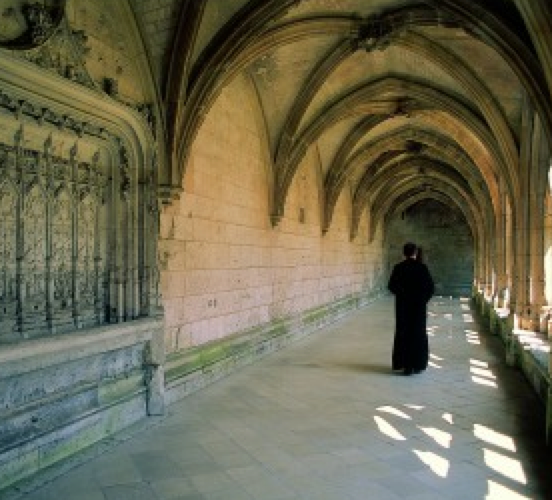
(225, 269)
(61, 395)
(445, 239)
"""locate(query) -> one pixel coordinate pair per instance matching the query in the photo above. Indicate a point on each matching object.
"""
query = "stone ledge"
(36, 354)
(62, 394)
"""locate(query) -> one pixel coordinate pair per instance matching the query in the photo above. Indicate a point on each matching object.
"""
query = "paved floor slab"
(327, 419)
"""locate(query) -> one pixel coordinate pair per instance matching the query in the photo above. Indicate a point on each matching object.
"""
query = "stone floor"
(327, 419)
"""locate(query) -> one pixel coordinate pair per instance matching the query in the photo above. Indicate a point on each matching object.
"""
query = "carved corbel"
(167, 194)
(275, 219)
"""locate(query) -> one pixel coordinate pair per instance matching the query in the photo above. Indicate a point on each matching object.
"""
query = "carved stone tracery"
(70, 226)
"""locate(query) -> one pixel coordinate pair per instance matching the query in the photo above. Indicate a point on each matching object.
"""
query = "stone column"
(539, 174)
(500, 256)
(521, 233)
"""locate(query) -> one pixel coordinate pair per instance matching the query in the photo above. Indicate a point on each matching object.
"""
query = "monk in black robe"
(412, 285)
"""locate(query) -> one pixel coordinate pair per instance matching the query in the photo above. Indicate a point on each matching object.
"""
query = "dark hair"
(409, 249)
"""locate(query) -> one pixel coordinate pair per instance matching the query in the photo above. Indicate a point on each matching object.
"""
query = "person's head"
(409, 250)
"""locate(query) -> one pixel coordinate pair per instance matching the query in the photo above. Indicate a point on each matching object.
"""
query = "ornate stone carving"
(62, 258)
(124, 171)
(72, 224)
(48, 116)
(53, 276)
(376, 33)
(40, 21)
(24, 25)
(32, 277)
(65, 54)
(8, 267)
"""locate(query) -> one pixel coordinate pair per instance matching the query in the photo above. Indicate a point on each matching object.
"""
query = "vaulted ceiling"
(404, 100)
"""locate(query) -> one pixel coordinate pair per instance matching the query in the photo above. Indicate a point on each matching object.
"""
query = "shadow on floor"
(351, 367)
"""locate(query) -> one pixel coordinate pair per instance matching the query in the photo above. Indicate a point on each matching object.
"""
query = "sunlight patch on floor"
(472, 337)
(477, 362)
(394, 411)
(500, 492)
(386, 428)
(468, 318)
(508, 467)
(431, 330)
(414, 407)
(493, 437)
(447, 417)
(442, 438)
(439, 465)
(482, 372)
(484, 381)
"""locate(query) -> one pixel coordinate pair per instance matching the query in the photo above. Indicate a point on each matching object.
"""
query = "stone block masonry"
(60, 395)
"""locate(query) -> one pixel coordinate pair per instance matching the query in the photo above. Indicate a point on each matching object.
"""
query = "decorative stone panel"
(64, 263)
(81, 335)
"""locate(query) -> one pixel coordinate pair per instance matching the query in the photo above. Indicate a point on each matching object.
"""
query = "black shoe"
(408, 371)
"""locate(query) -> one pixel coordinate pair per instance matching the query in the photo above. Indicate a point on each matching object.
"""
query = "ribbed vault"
(399, 100)
(386, 90)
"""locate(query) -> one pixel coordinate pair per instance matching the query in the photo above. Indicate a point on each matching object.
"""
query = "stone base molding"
(62, 394)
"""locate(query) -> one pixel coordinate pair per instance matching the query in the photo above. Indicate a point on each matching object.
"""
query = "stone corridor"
(326, 419)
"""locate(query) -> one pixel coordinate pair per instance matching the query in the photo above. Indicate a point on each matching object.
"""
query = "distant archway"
(446, 240)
